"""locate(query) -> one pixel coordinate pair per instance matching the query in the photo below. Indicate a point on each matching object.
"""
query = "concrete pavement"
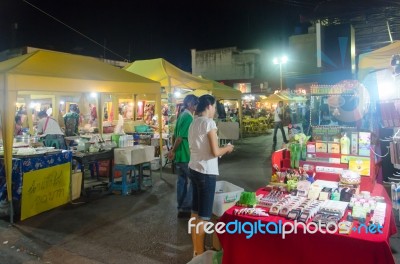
(140, 228)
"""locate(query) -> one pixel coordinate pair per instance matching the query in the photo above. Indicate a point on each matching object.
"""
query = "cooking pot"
(24, 139)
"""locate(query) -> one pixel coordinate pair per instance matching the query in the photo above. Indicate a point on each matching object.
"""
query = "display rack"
(395, 150)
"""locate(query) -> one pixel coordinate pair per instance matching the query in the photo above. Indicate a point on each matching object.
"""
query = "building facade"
(240, 69)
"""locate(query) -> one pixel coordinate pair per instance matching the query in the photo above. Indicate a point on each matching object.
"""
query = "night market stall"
(324, 191)
(55, 73)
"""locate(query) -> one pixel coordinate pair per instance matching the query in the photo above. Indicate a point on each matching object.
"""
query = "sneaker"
(184, 215)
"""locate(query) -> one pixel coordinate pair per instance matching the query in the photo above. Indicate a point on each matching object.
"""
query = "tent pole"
(135, 108)
(158, 112)
(10, 99)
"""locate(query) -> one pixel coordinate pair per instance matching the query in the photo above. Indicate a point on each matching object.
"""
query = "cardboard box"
(364, 143)
(354, 143)
(333, 147)
(321, 147)
(310, 147)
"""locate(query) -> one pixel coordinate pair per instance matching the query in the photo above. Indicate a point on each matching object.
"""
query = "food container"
(24, 139)
(226, 195)
(350, 177)
(108, 129)
(141, 128)
(35, 139)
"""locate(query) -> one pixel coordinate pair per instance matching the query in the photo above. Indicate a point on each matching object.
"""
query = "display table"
(87, 158)
(308, 248)
(39, 182)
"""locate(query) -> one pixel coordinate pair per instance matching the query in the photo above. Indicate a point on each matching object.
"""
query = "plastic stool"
(124, 186)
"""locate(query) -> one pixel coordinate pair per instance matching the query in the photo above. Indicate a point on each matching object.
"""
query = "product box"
(333, 147)
(226, 195)
(321, 147)
(362, 165)
(364, 143)
(354, 143)
(310, 147)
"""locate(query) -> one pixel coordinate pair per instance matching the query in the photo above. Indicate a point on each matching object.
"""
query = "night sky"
(135, 30)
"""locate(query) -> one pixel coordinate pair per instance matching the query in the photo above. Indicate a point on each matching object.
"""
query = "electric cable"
(75, 30)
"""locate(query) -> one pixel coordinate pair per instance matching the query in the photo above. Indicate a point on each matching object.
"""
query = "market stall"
(47, 72)
(323, 191)
(262, 238)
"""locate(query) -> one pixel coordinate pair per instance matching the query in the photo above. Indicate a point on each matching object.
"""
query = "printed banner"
(45, 189)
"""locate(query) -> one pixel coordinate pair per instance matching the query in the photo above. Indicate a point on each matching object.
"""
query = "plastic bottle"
(345, 144)
(394, 195)
(121, 141)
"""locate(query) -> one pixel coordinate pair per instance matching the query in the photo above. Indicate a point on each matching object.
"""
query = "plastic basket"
(141, 128)
(226, 195)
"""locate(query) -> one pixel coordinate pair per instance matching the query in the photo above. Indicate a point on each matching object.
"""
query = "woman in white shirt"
(204, 153)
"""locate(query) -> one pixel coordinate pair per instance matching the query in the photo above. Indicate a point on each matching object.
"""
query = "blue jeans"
(184, 187)
(203, 194)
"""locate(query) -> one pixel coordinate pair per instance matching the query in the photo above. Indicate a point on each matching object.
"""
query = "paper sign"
(45, 189)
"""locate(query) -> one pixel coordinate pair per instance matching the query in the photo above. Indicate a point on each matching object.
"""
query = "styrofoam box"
(226, 195)
(155, 164)
(133, 155)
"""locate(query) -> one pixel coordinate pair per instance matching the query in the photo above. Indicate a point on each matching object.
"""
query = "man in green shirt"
(180, 152)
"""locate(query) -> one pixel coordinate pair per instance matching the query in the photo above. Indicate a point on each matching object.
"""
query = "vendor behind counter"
(50, 131)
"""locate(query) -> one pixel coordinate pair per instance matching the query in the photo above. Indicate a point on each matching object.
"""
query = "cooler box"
(226, 195)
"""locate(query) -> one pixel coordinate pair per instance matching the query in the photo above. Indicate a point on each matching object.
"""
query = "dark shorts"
(203, 193)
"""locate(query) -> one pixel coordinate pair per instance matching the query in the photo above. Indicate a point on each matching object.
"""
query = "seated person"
(49, 129)
(325, 117)
(18, 126)
(71, 121)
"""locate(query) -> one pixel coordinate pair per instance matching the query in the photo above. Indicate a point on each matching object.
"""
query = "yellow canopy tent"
(48, 72)
(376, 72)
(221, 91)
(224, 92)
(285, 98)
(168, 75)
(377, 60)
(275, 98)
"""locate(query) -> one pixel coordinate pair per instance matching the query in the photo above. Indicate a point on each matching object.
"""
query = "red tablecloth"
(308, 248)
